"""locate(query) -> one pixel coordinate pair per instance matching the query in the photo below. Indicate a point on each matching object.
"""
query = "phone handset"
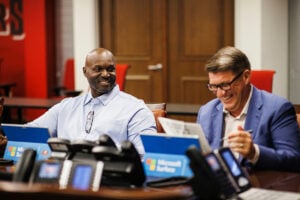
(24, 166)
(204, 182)
(105, 140)
(133, 156)
(64, 149)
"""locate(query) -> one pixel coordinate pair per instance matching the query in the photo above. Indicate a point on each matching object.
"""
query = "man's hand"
(241, 142)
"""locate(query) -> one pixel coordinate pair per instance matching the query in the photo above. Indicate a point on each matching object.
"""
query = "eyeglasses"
(223, 86)
(89, 121)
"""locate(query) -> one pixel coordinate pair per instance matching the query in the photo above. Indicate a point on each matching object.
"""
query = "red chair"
(69, 74)
(262, 79)
(68, 87)
(121, 71)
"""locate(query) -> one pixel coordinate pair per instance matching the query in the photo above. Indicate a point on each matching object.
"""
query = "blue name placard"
(14, 150)
(164, 165)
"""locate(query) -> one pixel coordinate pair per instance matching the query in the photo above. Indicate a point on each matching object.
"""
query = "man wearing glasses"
(103, 110)
(259, 127)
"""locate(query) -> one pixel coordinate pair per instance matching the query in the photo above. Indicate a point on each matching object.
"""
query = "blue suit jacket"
(274, 125)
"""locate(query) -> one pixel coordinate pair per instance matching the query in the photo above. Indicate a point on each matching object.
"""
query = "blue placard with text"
(164, 165)
(14, 150)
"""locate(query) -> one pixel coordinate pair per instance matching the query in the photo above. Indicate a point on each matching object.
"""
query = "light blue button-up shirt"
(118, 114)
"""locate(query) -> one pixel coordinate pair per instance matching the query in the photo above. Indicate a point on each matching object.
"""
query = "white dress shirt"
(118, 114)
(231, 124)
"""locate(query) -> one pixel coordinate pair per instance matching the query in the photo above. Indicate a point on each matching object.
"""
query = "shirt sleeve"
(142, 122)
(48, 120)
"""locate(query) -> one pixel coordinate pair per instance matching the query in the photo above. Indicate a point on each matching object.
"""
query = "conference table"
(21, 103)
(25, 102)
(45, 103)
(182, 109)
(9, 190)
(275, 180)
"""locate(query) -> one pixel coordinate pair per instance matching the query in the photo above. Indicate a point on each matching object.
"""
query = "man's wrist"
(254, 154)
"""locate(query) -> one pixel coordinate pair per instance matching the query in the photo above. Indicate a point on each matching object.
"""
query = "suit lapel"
(217, 126)
(254, 112)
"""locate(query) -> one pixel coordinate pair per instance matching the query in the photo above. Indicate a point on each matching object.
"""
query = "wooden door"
(135, 30)
(166, 43)
(196, 30)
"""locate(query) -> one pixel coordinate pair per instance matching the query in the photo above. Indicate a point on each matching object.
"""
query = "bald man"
(103, 110)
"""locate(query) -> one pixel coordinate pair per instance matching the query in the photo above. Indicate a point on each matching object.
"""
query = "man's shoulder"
(271, 101)
(270, 97)
(73, 100)
(212, 104)
(130, 98)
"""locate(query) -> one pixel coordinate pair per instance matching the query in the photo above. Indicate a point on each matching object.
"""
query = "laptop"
(20, 137)
(165, 155)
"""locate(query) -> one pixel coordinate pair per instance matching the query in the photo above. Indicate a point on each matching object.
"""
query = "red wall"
(23, 47)
(35, 47)
(12, 45)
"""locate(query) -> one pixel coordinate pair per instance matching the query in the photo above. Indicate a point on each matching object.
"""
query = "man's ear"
(247, 75)
(84, 71)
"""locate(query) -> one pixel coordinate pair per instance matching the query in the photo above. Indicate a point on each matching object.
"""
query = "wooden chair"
(263, 79)
(298, 119)
(297, 108)
(159, 110)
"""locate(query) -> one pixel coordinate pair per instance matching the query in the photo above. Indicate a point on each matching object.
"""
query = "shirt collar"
(245, 109)
(105, 98)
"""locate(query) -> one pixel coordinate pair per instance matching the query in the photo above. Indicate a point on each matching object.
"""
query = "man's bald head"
(98, 53)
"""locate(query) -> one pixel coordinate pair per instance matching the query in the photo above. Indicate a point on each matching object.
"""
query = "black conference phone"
(83, 165)
(217, 175)
(121, 167)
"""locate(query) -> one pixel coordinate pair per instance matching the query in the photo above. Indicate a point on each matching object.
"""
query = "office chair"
(68, 87)
(121, 71)
(263, 79)
(159, 110)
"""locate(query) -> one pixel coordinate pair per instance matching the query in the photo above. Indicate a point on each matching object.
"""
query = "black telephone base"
(6, 161)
